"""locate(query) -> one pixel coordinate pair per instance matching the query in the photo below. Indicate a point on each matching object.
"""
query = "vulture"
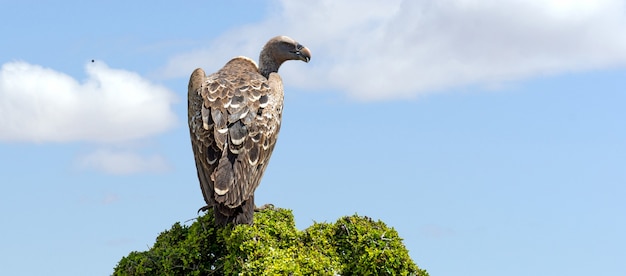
(234, 119)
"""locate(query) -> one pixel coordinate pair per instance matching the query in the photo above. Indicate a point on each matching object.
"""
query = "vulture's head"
(280, 49)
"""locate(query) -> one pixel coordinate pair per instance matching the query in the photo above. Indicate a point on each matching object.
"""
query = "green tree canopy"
(353, 245)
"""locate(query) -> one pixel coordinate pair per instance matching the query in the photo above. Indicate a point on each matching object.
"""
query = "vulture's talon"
(204, 209)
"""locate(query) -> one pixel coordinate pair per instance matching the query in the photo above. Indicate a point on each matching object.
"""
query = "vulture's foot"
(204, 209)
(265, 207)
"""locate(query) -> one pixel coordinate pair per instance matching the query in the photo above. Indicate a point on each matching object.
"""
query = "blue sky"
(490, 134)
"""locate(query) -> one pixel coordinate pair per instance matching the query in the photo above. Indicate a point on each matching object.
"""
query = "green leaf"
(354, 245)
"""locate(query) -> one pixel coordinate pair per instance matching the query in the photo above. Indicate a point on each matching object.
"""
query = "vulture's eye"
(298, 48)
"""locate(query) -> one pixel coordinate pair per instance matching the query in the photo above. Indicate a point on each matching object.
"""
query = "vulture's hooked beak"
(304, 54)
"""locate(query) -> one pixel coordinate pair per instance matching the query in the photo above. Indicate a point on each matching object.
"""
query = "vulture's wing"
(204, 148)
(234, 121)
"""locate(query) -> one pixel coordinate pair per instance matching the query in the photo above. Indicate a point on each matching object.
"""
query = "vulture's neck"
(268, 63)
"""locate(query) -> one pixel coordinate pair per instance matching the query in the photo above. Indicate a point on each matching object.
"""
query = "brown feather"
(234, 121)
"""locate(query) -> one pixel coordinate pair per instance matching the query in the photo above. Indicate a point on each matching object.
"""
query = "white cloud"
(400, 49)
(123, 162)
(43, 105)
